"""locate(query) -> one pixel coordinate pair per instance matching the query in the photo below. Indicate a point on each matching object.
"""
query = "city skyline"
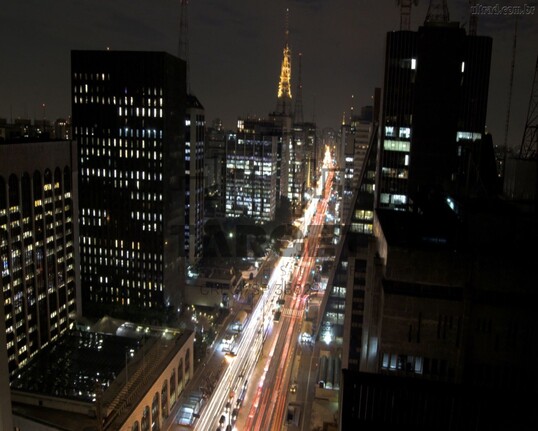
(235, 51)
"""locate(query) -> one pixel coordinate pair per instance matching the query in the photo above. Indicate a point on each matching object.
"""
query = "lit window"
(405, 132)
(393, 359)
(389, 131)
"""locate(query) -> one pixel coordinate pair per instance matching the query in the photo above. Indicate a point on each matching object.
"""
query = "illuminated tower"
(284, 84)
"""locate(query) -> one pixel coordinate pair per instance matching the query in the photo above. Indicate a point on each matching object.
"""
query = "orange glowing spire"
(284, 84)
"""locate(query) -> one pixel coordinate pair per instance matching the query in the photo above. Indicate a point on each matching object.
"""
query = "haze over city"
(235, 52)
(351, 246)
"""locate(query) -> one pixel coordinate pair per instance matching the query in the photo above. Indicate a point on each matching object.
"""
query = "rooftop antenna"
(183, 51)
(529, 144)
(437, 12)
(510, 85)
(299, 96)
(405, 13)
(473, 18)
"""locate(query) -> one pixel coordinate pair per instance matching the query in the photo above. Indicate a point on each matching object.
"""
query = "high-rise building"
(434, 95)
(194, 153)
(398, 171)
(38, 243)
(6, 417)
(194, 179)
(251, 171)
(129, 123)
(215, 170)
(354, 138)
(431, 297)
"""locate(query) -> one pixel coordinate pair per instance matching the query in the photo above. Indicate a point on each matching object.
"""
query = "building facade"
(38, 243)
(129, 124)
(434, 95)
(215, 170)
(251, 171)
(194, 179)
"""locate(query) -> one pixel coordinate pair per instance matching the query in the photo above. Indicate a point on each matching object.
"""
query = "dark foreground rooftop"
(73, 366)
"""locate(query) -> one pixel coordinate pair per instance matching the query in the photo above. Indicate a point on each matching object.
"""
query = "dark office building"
(434, 97)
(129, 124)
(194, 179)
(215, 170)
(438, 331)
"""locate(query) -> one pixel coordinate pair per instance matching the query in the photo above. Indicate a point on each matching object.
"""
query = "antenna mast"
(437, 12)
(510, 85)
(183, 51)
(405, 13)
(299, 95)
(473, 18)
(529, 144)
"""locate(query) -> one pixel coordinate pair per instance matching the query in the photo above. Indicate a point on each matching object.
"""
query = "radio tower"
(405, 13)
(529, 144)
(283, 105)
(298, 114)
(510, 85)
(473, 19)
(437, 12)
(183, 50)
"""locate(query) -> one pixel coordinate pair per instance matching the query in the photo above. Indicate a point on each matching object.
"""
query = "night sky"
(236, 49)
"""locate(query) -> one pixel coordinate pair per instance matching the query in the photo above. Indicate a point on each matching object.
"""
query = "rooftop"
(71, 366)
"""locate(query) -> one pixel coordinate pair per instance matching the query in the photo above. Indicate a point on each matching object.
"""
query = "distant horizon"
(235, 52)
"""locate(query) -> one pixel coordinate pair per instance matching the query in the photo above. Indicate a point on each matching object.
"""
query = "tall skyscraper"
(194, 179)
(354, 138)
(38, 243)
(422, 115)
(434, 95)
(431, 296)
(129, 124)
(194, 153)
(215, 170)
(251, 168)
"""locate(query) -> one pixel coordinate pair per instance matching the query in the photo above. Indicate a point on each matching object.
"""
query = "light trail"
(276, 408)
(249, 347)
